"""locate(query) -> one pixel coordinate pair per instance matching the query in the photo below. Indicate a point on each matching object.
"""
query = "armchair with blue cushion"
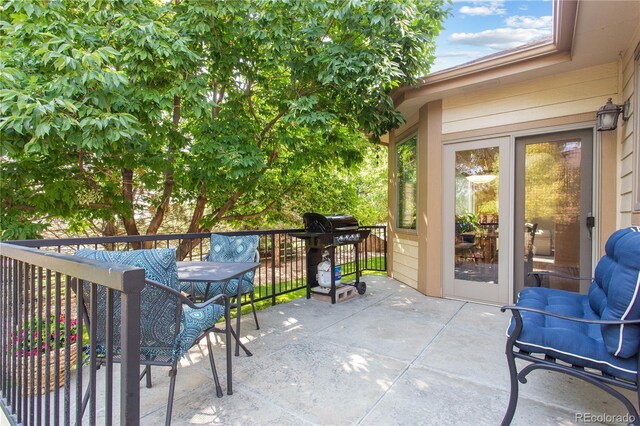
(240, 248)
(170, 323)
(594, 337)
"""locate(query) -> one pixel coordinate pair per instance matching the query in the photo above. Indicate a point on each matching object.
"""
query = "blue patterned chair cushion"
(158, 320)
(612, 295)
(228, 249)
(194, 322)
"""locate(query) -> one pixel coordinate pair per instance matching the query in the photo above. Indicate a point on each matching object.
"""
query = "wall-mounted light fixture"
(607, 116)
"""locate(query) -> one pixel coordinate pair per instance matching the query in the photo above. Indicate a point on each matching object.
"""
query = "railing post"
(384, 232)
(273, 268)
(130, 346)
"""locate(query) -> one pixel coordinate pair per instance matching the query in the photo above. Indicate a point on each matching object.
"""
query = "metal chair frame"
(151, 361)
(604, 381)
(236, 303)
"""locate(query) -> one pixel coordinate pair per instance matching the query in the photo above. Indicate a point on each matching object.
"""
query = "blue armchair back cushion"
(614, 293)
(158, 322)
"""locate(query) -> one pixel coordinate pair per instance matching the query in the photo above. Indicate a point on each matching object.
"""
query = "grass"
(292, 295)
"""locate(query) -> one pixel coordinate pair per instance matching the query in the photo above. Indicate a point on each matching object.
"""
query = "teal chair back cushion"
(158, 307)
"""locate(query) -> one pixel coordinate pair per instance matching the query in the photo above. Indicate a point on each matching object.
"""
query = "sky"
(478, 28)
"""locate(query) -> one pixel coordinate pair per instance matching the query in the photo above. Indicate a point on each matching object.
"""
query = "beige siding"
(405, 260)
(628, 155)
(564, 94)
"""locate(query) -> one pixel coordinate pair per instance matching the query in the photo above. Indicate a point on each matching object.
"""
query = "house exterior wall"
(575, 92)
(629, 138)
(537, 105)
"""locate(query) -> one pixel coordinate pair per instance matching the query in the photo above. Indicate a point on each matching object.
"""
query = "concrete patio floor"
(389, 357)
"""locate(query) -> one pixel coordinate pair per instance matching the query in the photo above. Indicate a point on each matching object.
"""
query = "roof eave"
(557, 50)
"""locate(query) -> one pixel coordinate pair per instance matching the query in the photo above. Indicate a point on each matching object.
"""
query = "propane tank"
(324, 272)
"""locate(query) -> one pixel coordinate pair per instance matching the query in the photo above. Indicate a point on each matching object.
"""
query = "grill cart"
(322, 235)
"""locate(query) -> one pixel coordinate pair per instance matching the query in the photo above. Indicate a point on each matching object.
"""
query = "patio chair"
(241, 248)
(170, 323)
(593, 337)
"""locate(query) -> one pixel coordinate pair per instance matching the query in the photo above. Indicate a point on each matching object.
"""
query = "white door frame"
(501, 292)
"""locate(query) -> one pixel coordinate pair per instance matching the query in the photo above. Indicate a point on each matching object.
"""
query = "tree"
(115, 110)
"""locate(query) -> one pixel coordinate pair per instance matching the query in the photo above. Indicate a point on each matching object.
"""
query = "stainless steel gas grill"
(324, 234)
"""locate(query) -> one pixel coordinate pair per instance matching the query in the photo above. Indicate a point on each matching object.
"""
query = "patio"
(391, 356)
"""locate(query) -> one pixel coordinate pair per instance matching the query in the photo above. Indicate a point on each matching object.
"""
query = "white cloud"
(517, 21)
(483, 9)
(499, 38)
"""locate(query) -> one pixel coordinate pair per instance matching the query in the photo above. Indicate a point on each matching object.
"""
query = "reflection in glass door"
(554, 193)
(476, 220)
(476, 214)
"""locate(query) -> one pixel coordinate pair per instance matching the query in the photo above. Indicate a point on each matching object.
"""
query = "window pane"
(407, 184)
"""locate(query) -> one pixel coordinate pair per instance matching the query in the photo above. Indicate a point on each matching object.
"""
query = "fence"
(282, 257)
(41, 333)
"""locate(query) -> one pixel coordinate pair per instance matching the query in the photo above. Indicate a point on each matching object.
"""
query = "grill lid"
(315, 222)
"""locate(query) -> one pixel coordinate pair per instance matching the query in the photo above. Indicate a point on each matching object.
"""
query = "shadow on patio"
(391, 356)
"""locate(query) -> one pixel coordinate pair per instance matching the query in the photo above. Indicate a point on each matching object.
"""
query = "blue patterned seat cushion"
(227, 249)
(158, 319)
(612, 295)
(194, 323)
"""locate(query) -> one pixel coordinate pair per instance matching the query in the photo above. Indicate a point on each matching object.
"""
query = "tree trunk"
(127, 193)
(186, 246)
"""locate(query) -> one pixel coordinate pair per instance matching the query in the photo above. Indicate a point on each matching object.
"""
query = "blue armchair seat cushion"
(216, 287)
(194, 322)
(576, 343)
(614, 294)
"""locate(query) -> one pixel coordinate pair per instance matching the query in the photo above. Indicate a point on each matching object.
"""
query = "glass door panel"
(476, 210)
(476, 215)
(554, 190)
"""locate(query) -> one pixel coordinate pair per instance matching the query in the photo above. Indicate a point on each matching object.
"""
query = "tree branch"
(187, 245)
(249, 93)
(286, 189)
(250, 215)
(158, 217)
(267, 129)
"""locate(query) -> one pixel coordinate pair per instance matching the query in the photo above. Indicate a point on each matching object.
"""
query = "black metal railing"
(44, 374)
(42, 378)
(282, 257)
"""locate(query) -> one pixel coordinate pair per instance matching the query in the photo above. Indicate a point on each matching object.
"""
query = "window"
(406, 164)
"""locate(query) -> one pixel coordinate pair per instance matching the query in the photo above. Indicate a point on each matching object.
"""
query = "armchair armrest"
(515, 310)
(539, 274)
(185, 300)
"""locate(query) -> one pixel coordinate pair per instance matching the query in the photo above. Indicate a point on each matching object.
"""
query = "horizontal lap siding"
(405, 261)
(628, 166)
(537, 99)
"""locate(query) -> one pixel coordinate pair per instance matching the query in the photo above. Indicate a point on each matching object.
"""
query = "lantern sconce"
(607, 116)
